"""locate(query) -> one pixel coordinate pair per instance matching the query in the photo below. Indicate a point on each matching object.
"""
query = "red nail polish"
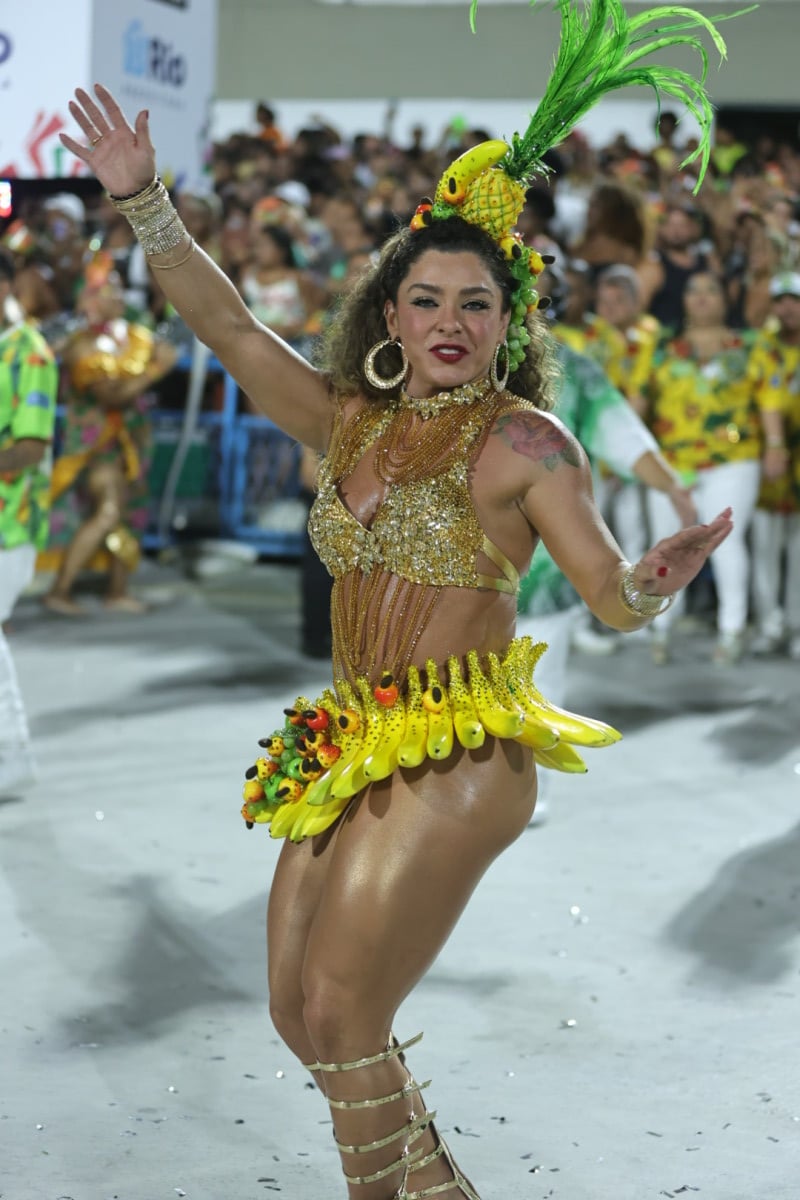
(662, 571)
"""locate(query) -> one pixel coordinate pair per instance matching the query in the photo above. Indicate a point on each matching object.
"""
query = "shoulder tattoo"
(526, 433)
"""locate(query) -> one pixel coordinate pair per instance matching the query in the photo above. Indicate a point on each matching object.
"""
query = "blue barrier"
(254, 475)
(240, 481)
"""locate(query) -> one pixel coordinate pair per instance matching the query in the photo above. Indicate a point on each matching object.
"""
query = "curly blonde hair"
(358, 322)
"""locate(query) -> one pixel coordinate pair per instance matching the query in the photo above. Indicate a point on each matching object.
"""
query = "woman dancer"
(442, 471)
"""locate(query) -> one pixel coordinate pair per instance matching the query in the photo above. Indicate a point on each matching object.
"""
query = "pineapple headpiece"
(601, 49)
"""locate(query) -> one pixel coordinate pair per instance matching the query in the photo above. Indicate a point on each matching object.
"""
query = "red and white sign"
(149, 53)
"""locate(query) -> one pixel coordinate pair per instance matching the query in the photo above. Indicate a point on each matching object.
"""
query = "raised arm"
(559, 504)
(281, 383)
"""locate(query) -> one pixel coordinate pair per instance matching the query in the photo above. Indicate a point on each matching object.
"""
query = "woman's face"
(617, 304)
(265, 250)
(704, 301)
(449, 317)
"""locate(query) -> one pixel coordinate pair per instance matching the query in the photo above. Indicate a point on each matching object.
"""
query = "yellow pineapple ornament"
(602, 49)
(493, 201)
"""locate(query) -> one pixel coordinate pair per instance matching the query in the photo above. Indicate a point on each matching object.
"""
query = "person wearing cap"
(64, 243)
(577, 325)
(776, 521)
(28, 387)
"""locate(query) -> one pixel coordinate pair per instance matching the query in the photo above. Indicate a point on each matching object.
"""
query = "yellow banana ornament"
(497, 720)
(468, 728)
(534, 733)
(352, 778)
(518, 663)
(414, 746)
(383, 761)
(440, 719)
(360, 734)
(455, 182)
(344, 736)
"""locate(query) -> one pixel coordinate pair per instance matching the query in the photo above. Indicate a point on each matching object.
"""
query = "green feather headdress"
(602, 49)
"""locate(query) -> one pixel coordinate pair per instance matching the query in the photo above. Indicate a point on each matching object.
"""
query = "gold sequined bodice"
(425, 530)
(424, 536)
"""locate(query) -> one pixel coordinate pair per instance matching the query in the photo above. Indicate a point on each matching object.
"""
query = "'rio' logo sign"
(151, 58)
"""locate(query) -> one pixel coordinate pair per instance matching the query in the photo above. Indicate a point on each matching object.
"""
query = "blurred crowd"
(689, 302)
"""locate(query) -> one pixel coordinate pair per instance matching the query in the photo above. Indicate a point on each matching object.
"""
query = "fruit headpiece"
(601, 49)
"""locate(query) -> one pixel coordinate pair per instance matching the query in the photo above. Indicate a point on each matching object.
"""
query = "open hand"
(122, 157)
(674, 561)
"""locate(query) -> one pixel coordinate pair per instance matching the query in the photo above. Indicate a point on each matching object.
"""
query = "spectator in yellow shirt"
(704, 417)
(619, 303)
(776, 521)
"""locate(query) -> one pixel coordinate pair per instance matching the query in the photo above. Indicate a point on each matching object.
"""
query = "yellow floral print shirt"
(630, 366)
(704, 413)
(595, 338)
(775, 371)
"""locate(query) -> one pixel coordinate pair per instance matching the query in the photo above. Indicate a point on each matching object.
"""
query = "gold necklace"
(431, 406)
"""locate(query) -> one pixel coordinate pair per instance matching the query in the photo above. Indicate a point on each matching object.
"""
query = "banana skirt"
(329, 750)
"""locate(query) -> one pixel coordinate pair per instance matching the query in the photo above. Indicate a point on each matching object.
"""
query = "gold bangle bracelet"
(639, 603)
(124, 203)
(179, 263)
(153, 218)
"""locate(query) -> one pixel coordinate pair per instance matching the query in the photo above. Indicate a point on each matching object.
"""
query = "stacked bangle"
(776, 442)
(153, 218)
(639, 603)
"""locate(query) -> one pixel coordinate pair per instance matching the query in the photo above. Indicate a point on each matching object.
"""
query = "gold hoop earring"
(380, 381)
(498, 382)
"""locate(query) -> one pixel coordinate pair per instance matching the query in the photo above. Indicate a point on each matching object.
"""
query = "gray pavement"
(615, 1018)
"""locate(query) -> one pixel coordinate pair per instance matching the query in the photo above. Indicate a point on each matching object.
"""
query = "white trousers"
(777, 610)
(624, 509)
(735, 484)
(16, 572)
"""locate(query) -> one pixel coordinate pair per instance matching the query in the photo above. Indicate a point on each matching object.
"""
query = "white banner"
(161, 55)
(37, 81)
(154, 54)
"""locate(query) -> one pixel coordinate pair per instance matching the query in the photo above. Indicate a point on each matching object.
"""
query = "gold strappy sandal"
(409, 1160)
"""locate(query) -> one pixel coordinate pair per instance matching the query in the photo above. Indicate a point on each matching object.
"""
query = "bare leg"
(118, 598)
(371, 911)
(107, 488)
(294, 899)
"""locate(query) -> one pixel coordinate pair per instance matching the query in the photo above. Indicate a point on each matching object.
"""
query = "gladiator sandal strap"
(405, 1090)
(458, 1180)
(403, 1163)
(412, 1130)
(392, 1051)
(410, 1133)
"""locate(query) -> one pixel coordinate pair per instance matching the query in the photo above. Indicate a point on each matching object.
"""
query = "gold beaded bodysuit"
(387, 711)
(425, 534)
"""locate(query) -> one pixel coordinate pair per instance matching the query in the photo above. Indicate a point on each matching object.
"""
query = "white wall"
(293, 49)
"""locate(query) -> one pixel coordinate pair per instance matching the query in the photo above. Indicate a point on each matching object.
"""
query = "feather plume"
(601, 50)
